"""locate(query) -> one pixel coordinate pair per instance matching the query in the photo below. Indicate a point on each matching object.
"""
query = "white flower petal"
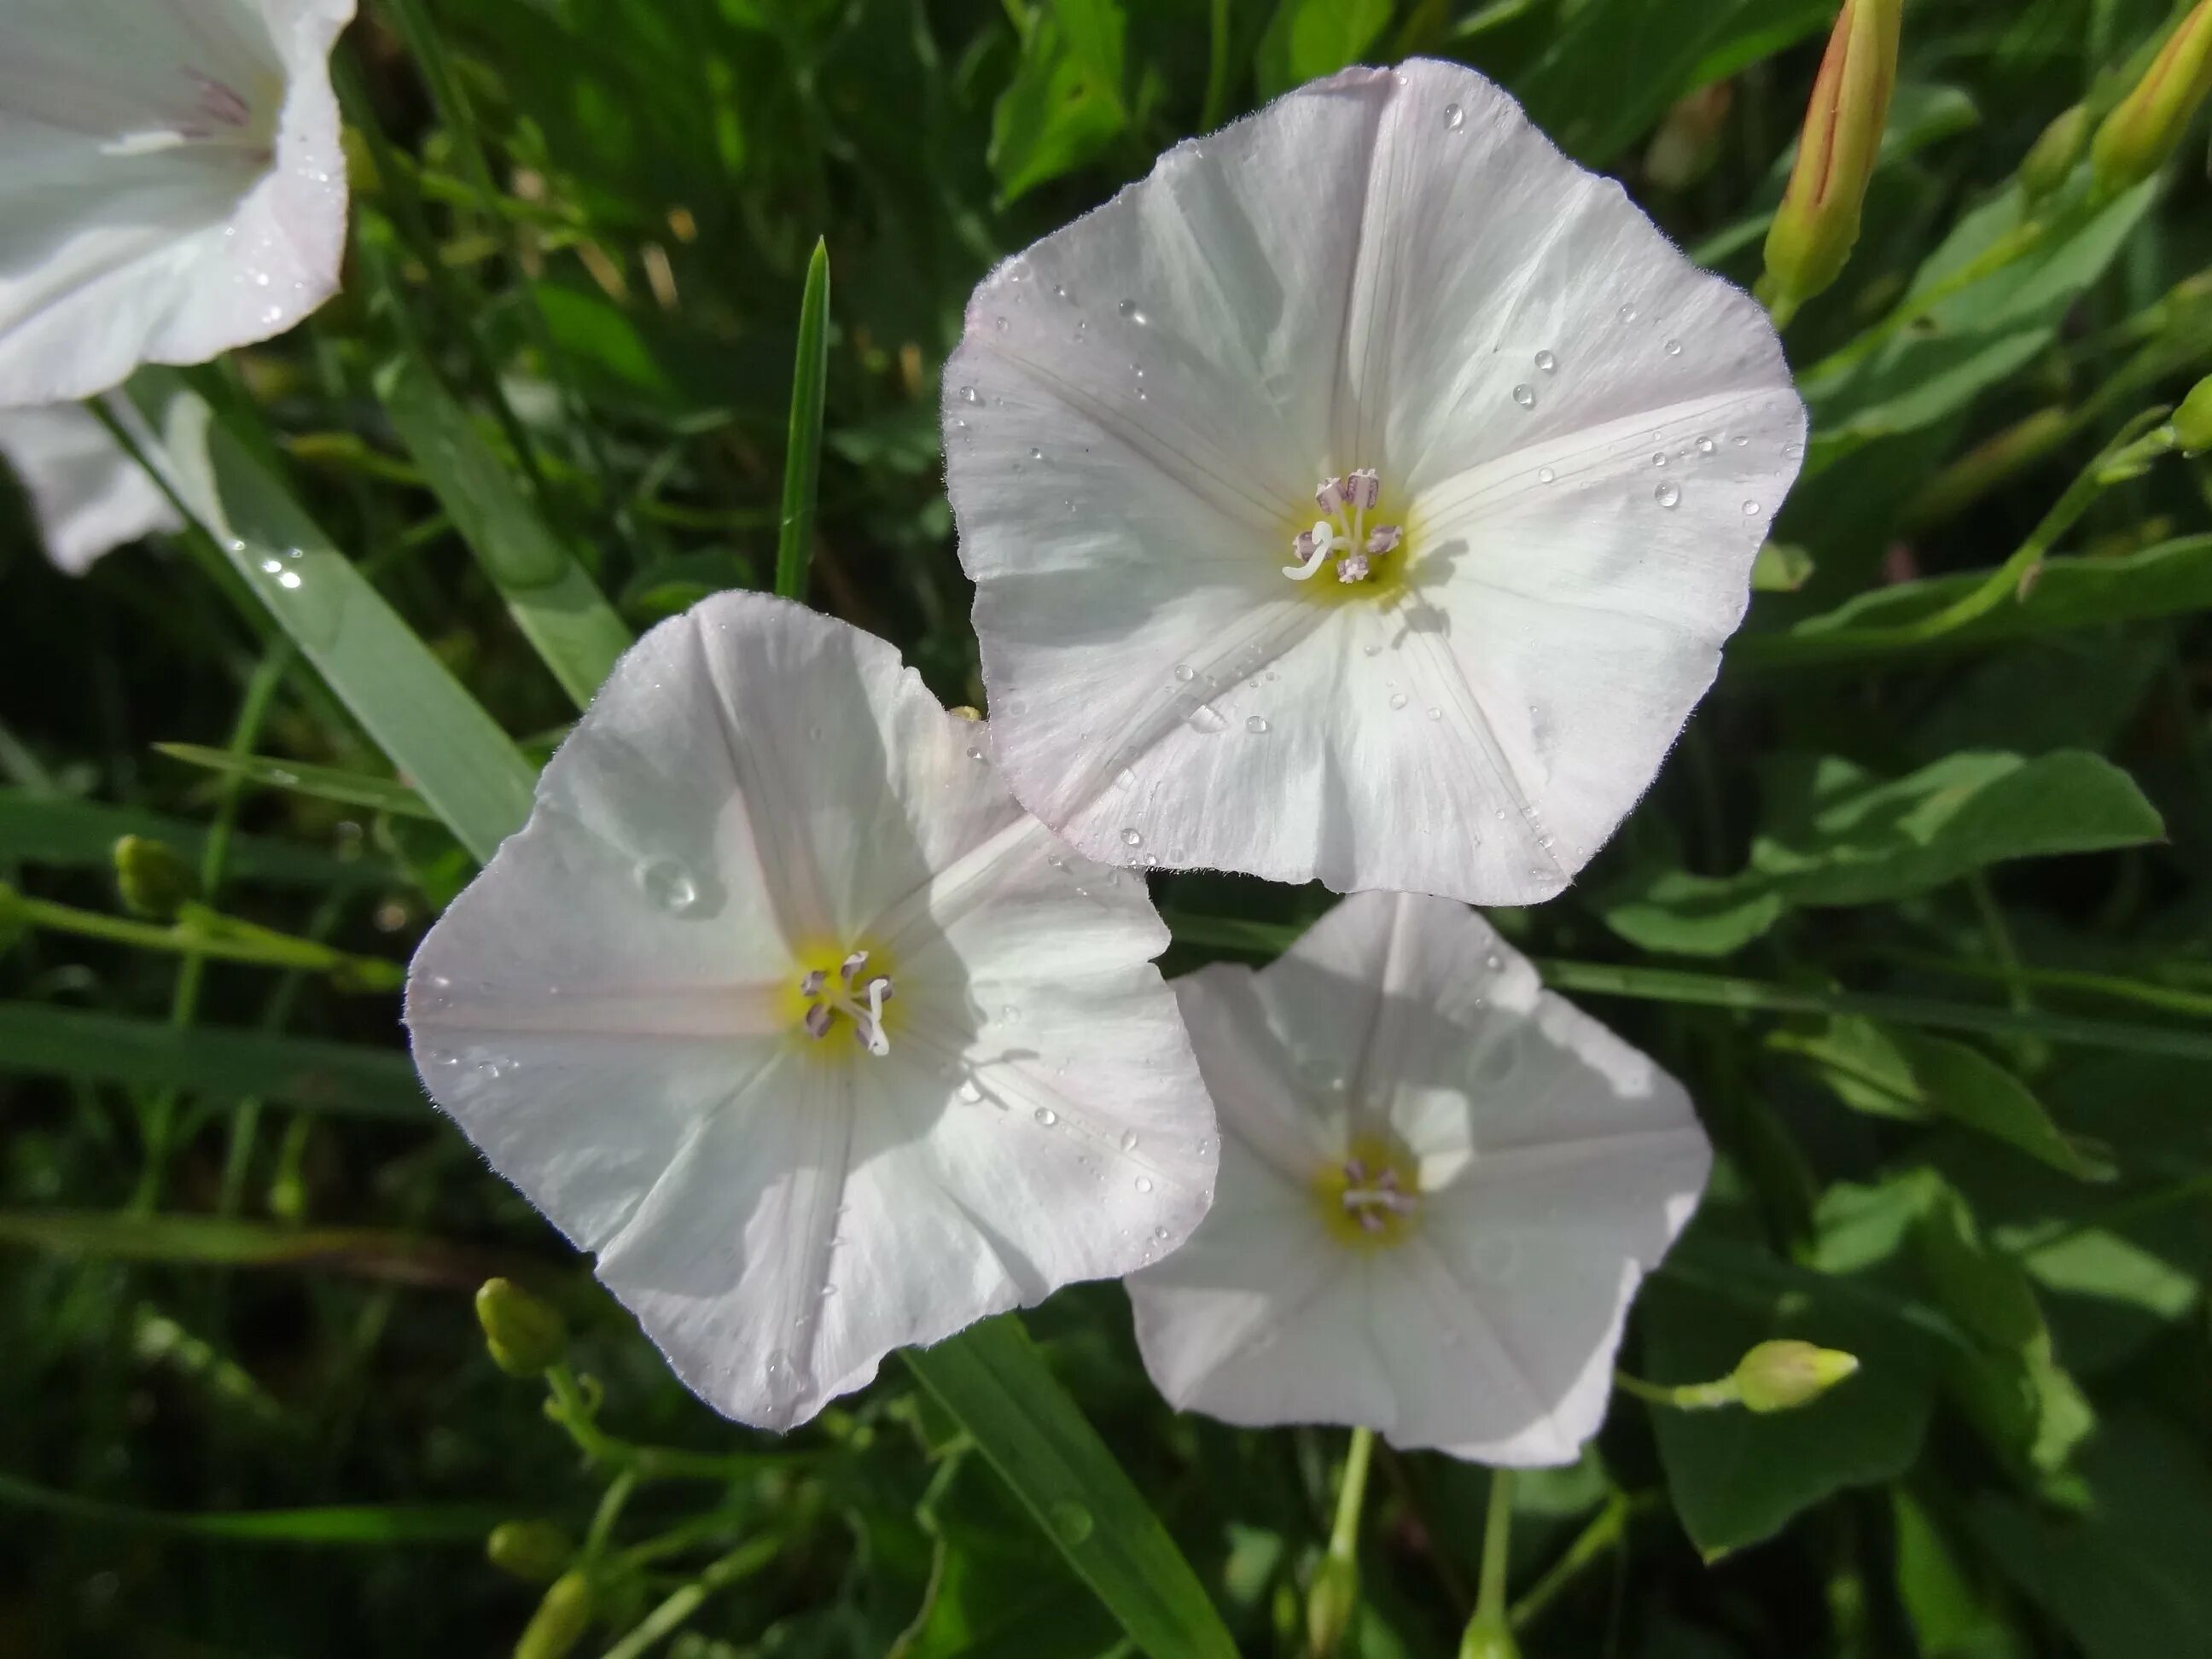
(1554, 1166)
(88, 496)
(171, 183)
(613, 1013)
(1389, 270)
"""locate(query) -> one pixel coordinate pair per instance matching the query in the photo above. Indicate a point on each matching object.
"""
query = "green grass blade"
(377, 1525)
(208, 1241)
(802, 461)
(432, 730)
(81, 835)
(552, 599)
(339, 1078)
(324, 782)
(992, 1377)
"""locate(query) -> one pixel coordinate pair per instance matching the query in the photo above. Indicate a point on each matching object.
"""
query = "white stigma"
(1345, 534)
(859, 998)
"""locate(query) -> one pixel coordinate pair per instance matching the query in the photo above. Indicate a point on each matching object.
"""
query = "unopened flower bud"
(2145, 126)
(2192, 421)
(153, 879)
(1780, 1375)
(561, 1620)
(1330, 1602)
(524, 1334)
(2049, 160)
(1819, 220)
(532, 1550)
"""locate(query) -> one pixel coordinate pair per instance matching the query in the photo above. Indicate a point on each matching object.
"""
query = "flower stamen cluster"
(1344, 533)
(859, 1000)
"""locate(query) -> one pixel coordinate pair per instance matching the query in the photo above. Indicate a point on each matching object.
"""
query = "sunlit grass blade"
(378, 1525)
(410, 705)
(802, 463)
(207, 1241)
(552, 599)
(339, 1078)
(72, 834)
(992, 1377)
(324, 782)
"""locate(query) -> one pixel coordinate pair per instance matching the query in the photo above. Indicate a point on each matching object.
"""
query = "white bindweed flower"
(1440, 1185)
(1366, 495)
(783, 1007)
(171, 183)
(89, 497)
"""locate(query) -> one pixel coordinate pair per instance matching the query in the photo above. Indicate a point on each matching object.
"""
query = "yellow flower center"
(1352, 544)
(841, 996)
(1372, 1197)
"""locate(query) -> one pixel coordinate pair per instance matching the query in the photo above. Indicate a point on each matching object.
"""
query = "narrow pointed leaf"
(802, 465)
(324, 782)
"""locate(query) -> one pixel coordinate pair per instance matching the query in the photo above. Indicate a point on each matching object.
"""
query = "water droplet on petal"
(1130, 310)
(1674, 348)
(1435, 714)
(1035, 454)
(1205, 718)
(1397, 700)
(1667, 495)
(1001, 324)
(668, 885)
(1545, 474)
(968, 395)
(1659, 459)
(1131, 838)
(1548, 362)
(1256, 725)
(1144, 1184)
(1751, 509)
(1740, 441)
(1628, 314)
(975, 753)
(1793, 450)
(1046, 1116)
(1525, 395)
(1705, 445)
(1185, 672)
(970, 1091)
(1128, 1140)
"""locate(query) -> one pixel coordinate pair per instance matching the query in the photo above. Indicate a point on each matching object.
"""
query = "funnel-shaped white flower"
(1440, 1188)
(782, 1006)
(1365, 496)
(88, 496)
(171, 184)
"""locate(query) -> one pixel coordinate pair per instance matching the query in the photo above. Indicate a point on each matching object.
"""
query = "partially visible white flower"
(1365, 496)
(782, 1006)
(171, 183)
(89, 497)
(1440, 1185)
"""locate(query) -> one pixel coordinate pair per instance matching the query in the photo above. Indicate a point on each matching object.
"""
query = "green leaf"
(552, 599)
(1308, 38)
(1577, 93)
(1953, 1617)
(206, 1241)
(1842, 837)
(379, 1526)
(1064, 105)
(317, 1076)
(2171, 579)
(802, 460)
(1906, 1074)
(433, 732)
(992, 1377)
(323, 783)
(2126, 1575)
(72, 834)
(1973, 338)
(1735, 1477)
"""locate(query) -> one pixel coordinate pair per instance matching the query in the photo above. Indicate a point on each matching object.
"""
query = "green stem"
(1607, 1529)
(575, 1412)
(1681, 1396)
(1217, 68)
(740, 1562)
(1490, 1632)
(1351, 1496)
(205, 933)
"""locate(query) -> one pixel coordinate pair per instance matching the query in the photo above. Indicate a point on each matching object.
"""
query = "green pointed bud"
(1488, 1639)
(1818, 223)
(524, 1334)
(561, 1620)
(1781, 1376)
(2050, 160)
(532, 1550)
(154, 879)
(1330, 1602)
(2145, 126)
(2192, 421)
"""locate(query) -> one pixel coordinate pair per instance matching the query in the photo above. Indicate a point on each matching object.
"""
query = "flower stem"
(1489, 1633)
(1351, 1496)
(1684, 1396)
(575, 1411)
(205, 933)
(1333, 1595)
(741, 1562)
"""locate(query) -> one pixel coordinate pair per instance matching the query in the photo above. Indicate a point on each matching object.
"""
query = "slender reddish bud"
(2145, 126)
(1819, 220)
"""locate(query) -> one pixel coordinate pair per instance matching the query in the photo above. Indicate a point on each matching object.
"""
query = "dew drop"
(1525, 395)
(1667, 495)
(1397, 700)
(1454, 118)
(1071, 1522)
(1751, 509)
(1374, 651)
(1256, 725)
(1159, 1235)
(1435, 714)
(1131, 838)
(1660, 459)
(1134, 312)
(668, 885)
(1545, 474)
(1144, 1184)
(1205, 718)
(1001, 324)
(1674, 348)
(1128, 1140)
(1793, 450)
(1548, 362)
(1740, 441)
(968, 395)
(1185, 672)
(270, 567)
(1035, 454)
(1706, 446)
(1046, 1116)
(969, 1091)
(1628, 314)
(973, 753)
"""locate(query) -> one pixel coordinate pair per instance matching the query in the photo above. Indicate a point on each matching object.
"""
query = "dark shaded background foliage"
(2023, 1469)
